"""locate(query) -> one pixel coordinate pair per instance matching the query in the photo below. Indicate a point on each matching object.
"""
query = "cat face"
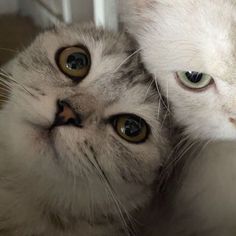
(190, 48)
(84, 117)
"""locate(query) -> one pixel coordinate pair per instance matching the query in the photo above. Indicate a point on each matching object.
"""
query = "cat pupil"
(194, 77)
(77, 61)
(132, 127)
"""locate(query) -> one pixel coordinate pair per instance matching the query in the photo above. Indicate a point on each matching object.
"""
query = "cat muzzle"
(66, 115)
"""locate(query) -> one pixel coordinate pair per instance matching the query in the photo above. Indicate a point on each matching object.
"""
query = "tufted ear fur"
(134, 13)
(129, 7)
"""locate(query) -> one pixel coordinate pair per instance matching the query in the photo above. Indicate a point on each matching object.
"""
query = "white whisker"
(9, 50)
(160, 95)
(110, 190)
(10, 78)
(5, 89)
(127, 58)
(177, 158)
(148, 89)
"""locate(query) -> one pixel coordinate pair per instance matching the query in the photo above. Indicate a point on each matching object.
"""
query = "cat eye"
(131, 128)
(74, 62)
(194, 80)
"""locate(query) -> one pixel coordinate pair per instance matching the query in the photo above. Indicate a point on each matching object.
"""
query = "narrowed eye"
(75, 62)
(194, 80)
(131, 128)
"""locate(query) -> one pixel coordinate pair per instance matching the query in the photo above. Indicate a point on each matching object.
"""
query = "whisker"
(167, 95)
(148, 89)
(199, 151)
(164, 119)
(177, 158)
(109, 188)
(160, 95)
(3, 99)
(127, 58)
(9, 50)
(4, 89)
(5, 84)
(181, 154)
(3, 75)
(167, 106)
(159, 109)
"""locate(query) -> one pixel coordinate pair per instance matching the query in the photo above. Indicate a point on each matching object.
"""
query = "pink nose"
(66, 115)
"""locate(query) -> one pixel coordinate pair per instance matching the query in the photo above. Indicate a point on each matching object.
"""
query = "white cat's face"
(191, 36)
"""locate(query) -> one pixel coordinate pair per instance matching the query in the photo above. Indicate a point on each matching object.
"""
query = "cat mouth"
(45, 138)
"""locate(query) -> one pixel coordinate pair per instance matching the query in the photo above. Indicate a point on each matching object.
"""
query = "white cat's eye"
(194, 80)
(75, 62)
(131, 128)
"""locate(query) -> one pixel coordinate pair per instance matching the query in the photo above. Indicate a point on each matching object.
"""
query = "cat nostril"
(60, 105)
(66, 115)
(232, 120)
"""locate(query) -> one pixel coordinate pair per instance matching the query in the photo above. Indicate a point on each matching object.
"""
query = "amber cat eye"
(131, 128)
(75, 62)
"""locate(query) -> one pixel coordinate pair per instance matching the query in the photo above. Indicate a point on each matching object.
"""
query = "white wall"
(38, 14)
(8, 6)
(81, 10)
(53, 5)
(105, 13)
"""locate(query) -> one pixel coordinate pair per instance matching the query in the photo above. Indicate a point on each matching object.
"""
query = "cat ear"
(141, 4)
(134, 12)
(133, 4)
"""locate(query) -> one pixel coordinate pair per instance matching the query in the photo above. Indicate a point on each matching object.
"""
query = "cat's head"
(84, 108)
(179, 38)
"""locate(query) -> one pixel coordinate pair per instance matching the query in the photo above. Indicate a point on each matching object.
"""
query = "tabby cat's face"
(190, 48)
(86, 113)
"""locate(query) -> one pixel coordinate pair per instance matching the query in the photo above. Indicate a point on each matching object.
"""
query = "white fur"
(196, 35)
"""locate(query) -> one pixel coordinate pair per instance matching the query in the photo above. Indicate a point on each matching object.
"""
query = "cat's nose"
(66, 115)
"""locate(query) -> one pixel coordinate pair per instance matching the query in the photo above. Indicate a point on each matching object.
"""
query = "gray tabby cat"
(81, 136)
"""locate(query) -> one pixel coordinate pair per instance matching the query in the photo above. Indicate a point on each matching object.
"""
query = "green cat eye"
(74, 62)
(194, 80)
(131, 128)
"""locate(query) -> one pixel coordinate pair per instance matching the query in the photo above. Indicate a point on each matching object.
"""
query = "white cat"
(190, 47)
(191, 36)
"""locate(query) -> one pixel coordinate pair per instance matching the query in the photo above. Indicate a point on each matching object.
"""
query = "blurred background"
(22, 20)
